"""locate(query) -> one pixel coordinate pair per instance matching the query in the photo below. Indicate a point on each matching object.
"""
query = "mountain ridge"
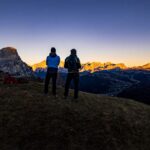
(11, 54)
(96, 66)
(89, 66)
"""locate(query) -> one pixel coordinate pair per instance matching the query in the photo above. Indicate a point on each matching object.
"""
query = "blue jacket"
(52, 61)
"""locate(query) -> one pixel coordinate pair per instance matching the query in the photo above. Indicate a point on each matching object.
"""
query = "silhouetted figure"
(52, 63)
(72, 63)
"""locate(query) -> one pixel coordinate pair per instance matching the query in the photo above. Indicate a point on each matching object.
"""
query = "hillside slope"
(31, 121)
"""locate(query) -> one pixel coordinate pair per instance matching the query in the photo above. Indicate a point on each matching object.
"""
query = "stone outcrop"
(11, 63)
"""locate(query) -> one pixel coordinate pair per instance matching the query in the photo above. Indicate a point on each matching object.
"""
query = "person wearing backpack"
(72, 63)
(52, 62)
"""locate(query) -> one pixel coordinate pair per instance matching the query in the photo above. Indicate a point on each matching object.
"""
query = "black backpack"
(72, 63)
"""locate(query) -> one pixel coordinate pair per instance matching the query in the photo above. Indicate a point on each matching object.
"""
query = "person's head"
(73, 51)
(53, 50)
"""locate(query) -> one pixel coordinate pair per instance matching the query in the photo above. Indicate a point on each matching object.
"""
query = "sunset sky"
(101, 30)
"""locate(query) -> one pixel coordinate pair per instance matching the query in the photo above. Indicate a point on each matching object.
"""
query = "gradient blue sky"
(101, 30)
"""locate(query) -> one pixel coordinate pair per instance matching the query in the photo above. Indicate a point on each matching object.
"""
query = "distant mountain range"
(96, 66)
(108, 79)
(99, 78)
(10, 62)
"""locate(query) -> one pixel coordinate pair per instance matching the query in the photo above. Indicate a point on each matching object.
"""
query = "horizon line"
(86, 62)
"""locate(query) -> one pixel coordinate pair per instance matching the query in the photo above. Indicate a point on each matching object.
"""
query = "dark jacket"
(72, 63)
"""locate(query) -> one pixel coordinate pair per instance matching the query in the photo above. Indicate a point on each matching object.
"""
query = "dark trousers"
(75, 78)
(51, 74)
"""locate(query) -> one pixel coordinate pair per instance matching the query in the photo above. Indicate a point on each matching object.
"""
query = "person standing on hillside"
(52, 62)
(72, 63)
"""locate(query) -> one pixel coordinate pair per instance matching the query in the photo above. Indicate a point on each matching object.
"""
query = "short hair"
(53, 49)
(74, 51)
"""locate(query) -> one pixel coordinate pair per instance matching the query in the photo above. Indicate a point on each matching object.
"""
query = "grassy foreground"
(31, 121)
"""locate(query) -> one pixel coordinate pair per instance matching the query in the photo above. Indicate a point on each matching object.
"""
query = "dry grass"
(31, 121)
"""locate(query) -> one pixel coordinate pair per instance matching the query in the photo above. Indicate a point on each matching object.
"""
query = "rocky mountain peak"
(9, 53)
(11, 62)
(147, 66)
(9, 49)
(97, 66)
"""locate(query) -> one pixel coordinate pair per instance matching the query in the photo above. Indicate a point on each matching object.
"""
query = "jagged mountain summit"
(146, 66)
(96, 66)
(11, 63)
(42, 64)
(90, 66)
